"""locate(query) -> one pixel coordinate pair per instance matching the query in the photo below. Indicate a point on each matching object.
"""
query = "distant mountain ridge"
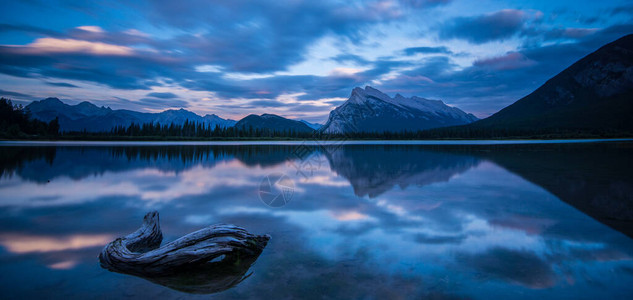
(315, 126)
(370, 110)
(273, 122)
(595, 93)
(89, 117)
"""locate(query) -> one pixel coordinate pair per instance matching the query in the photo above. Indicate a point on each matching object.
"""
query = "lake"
(348, 220)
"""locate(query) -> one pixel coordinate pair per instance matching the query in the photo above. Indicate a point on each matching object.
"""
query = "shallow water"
(358, 220)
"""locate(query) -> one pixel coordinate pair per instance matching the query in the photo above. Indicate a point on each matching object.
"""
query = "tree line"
(191, 130)
(16, 122)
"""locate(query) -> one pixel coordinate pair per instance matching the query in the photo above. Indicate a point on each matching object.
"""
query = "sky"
(297, 59)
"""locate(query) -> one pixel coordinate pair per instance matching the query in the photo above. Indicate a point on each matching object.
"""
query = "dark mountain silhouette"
(272, 122)
(89, 117)
(598, 185)
(595, 93)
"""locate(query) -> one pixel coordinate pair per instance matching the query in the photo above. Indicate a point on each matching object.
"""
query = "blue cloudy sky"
(298, 59)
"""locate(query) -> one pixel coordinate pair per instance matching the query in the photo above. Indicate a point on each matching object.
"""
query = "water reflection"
(373, 170)
(595, 179)
(208, 261)
(207, 279)
(374, 221)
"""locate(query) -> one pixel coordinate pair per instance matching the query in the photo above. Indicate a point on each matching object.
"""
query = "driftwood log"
(205, 261)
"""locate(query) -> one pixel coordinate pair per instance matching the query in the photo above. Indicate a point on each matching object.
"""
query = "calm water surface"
(364, 221)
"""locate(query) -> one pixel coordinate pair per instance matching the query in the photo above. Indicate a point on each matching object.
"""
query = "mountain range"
(595, 93)
(367, 110)
(370, 110)
(315, 126)
(89, 117)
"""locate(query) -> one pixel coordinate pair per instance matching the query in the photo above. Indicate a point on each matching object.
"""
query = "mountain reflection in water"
(367, 221)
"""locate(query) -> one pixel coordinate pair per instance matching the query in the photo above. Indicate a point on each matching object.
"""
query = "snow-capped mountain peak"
(370, 110)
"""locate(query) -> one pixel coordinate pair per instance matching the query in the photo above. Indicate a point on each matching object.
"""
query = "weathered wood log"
(205, 261)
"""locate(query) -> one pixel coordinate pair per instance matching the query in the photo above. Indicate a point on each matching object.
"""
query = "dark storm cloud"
(492, 83)
(383, 66)
(318, 87)
(485, 28)
(556, 57)
(434, 66)
(309, 108)
(233, 35)
(315, 87)
(347, 58)
(430, 72)
(242, 36)
(162, 95)
(506, 24)
(99, 75)
(163, 103)
(569, 33)
(9, 94)
(424, 3)
(439, 239)
(266, 103)
(624, 9)
(470, 89)
(62, 84)
(509, 61)
(589, 20)
(28, 29)
(495, 81)
(269, 88)
(135, 71)
(536, 36)
(262, 37)
(426, 50)
(290, 107)
(114, 38)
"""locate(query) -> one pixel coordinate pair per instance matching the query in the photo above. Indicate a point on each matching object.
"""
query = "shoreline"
(10, 143)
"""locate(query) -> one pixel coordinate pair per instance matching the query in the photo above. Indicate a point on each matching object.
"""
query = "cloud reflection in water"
(373, 221)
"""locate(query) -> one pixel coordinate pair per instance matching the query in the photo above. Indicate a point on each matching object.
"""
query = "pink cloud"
(55, 45)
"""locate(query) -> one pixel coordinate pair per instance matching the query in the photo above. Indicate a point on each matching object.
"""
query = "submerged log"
(205, 261)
